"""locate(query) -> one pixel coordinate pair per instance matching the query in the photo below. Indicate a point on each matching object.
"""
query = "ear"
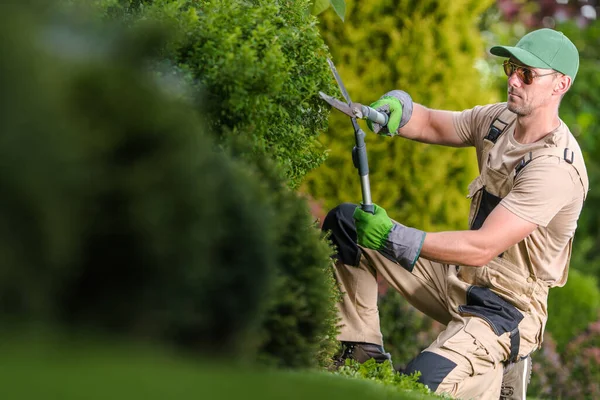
(562, 84)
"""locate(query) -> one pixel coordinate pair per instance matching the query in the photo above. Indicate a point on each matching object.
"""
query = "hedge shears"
(359, 152)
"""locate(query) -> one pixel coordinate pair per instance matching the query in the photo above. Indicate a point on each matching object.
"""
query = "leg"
(457, 363)
(356, 272)
(516, 379)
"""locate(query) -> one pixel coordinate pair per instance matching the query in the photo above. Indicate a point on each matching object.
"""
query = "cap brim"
(522, 55)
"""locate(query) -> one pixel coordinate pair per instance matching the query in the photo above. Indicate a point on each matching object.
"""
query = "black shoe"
(361, 352)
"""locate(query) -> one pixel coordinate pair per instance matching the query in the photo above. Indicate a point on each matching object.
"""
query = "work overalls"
(494, 314)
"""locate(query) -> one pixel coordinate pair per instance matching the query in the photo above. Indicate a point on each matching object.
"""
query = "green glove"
(398, 243)
(399, 106)
(393, 108)
(372, 229)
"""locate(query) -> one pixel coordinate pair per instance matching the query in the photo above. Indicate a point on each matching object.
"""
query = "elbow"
(485, 255)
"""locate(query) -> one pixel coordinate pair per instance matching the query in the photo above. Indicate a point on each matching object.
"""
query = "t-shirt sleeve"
(540, 191)
(472, 125)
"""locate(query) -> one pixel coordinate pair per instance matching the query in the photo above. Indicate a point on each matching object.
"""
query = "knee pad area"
(343, 233)
(433, 367)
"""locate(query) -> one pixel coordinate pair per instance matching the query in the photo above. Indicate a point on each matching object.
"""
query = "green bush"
(120, 215)
(35, 367)
(385, 374)
(261, 64)
(572, 307)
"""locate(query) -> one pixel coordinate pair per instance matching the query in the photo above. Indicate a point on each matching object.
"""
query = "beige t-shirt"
(548, 191)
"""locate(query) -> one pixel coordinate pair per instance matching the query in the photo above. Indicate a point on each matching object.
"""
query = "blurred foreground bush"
(260, 65)
(119, 214)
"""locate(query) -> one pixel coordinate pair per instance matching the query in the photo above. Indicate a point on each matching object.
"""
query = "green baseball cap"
(544, 48)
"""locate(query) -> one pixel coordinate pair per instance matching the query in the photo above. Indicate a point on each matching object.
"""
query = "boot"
(516, 379)
(361, 352)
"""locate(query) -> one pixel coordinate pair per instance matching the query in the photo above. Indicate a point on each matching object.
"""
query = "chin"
(521, 111)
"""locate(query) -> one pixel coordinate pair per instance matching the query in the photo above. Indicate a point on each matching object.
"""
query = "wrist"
(403, 245)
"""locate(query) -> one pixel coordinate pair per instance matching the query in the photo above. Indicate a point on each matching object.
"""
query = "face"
(524, 98)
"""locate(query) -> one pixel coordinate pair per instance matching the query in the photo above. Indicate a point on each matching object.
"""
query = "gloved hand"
(398, 105)
(395, 241)
(372, 229)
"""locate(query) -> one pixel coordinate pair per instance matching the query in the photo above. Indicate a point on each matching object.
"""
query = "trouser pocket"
(503, 317)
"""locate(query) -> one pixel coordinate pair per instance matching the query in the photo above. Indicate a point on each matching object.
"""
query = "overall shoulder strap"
(498, 126)
(563, 153)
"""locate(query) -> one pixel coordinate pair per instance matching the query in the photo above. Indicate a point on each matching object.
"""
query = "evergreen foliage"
(122, 216)
(119, 215)
(429, 49)
(261, 64)
(385, 374)
(39, 366)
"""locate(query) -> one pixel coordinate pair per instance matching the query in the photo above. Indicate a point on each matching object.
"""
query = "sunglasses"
(525, 74)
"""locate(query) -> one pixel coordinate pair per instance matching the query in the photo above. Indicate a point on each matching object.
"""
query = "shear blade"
(338, 104)
(353, 109)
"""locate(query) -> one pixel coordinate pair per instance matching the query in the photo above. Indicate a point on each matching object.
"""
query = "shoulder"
(472, 124)
(551, 173)
(482, 112)
(567, 155)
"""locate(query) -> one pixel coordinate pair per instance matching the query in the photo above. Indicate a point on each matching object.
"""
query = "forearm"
(457, 247)
(431, 126)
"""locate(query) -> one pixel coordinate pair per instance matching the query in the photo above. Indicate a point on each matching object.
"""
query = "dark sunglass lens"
(508, 69)
(527, 76)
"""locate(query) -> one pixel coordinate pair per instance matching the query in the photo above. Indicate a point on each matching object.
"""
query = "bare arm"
(431, 126)
(501, 230)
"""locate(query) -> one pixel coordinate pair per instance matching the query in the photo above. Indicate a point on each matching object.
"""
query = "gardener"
(488, 285)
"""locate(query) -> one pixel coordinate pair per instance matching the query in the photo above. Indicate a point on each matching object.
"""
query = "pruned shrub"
(261, 64)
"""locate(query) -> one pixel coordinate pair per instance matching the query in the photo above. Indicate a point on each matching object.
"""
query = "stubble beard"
(521, 111)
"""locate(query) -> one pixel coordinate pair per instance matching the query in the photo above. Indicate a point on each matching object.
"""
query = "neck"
(533, 127)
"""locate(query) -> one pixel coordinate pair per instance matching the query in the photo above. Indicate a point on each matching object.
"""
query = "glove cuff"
(403, 245)
(407, 105)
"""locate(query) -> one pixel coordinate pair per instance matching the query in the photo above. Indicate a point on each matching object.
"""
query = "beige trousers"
(467, 342)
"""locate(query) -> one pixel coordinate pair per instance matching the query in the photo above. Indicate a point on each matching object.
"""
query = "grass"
(57, 368)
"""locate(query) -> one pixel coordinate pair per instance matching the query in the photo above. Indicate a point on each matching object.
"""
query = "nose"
(514, 81)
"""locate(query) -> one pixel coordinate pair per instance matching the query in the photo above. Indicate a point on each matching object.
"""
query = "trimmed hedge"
(261, 64)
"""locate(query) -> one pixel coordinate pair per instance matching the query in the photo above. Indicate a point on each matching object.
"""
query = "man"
(488, 285)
